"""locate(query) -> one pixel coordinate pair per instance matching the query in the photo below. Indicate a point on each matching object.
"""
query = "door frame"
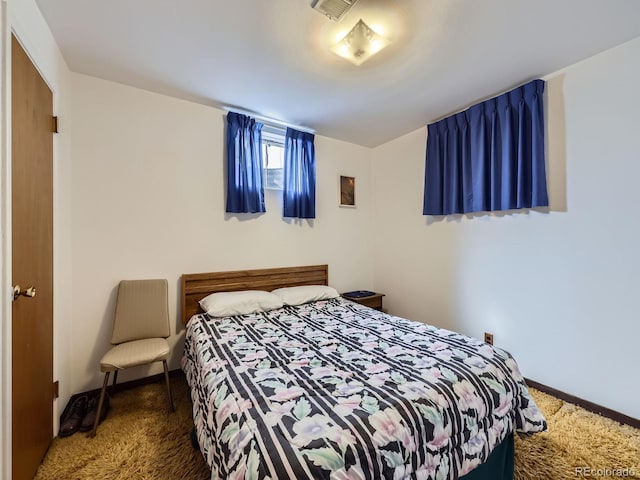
(23, 20)
(5, 246)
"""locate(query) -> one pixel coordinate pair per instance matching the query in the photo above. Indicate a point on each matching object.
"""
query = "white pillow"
(225, 304)
(305, 294)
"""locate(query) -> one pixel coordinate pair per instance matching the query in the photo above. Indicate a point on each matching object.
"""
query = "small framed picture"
(347, 191)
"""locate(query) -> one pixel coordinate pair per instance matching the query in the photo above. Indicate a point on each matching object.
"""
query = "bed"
(333, 389)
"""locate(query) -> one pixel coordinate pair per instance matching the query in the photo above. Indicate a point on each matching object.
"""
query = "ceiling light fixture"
(360, 44)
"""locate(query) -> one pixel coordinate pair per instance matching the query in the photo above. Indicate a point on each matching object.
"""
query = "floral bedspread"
(335, 390)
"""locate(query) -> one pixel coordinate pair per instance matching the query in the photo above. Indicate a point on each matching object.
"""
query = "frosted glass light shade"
(360, 44)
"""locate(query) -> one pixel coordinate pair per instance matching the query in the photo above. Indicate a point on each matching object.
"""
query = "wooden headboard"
(196, 286)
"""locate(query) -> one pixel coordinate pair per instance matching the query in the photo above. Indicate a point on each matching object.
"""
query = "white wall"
(148, 202)
(559, 290)
(24, 19)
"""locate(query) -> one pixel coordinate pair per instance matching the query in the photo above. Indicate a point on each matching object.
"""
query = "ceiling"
(271, 57)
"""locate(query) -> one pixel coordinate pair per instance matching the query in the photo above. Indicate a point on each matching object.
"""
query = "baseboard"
(586, 404)
(158, 378)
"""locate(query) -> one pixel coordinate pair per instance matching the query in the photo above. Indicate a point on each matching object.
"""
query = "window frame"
(271, 136)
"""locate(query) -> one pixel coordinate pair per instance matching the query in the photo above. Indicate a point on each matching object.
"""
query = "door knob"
(28, 292)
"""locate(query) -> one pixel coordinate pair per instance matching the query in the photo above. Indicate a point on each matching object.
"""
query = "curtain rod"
(484, 99)
(268, 121)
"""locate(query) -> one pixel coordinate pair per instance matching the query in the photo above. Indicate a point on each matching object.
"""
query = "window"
(273, 157)
(273, 165)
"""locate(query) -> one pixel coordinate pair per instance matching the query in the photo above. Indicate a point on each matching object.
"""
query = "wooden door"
(32, 259)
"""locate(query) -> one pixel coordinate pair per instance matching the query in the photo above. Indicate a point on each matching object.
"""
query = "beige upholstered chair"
(140, 331)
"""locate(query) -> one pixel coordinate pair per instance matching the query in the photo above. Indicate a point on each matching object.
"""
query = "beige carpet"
(577, 439)
(139, 440)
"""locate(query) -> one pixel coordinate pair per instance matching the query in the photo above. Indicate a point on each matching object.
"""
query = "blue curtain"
(299, 175)
(245, 190)
(489, 157)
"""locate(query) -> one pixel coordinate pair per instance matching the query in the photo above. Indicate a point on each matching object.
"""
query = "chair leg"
(102, 392)
(166, 377)
(113, 386)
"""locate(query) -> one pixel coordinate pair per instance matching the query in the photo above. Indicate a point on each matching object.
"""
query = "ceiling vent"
(334, 9)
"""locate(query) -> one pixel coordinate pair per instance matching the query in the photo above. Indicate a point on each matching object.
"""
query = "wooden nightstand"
(373, 301)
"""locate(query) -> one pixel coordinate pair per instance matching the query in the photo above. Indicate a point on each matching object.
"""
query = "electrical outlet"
(488, 338)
